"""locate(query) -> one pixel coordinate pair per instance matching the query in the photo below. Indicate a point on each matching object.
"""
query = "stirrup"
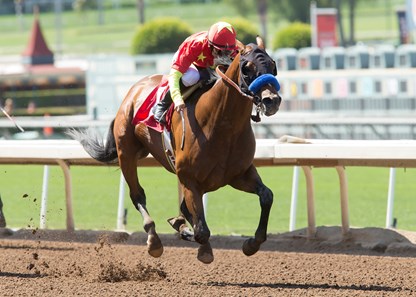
(162, 119)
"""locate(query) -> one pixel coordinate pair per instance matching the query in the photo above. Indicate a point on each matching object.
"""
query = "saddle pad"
(144, 112)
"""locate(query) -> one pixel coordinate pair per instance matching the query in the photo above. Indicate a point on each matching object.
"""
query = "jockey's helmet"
(221, 36)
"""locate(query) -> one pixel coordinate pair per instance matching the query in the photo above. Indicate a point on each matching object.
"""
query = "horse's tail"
(93, 144)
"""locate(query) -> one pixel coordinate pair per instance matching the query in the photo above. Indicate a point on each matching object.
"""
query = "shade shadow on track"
(328, 240)
(20, 275)
(27, 247)
(304, 286)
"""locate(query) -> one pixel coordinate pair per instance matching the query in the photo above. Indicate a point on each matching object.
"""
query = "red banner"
(327, 30)
(324, 27)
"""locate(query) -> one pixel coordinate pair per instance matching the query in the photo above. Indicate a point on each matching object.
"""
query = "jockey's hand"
(179, 107)
(179, 104)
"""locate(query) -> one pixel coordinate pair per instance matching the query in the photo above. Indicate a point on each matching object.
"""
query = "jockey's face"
(221, 53)
(221, 57)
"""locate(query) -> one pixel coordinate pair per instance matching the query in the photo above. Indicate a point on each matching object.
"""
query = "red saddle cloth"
(144, 114)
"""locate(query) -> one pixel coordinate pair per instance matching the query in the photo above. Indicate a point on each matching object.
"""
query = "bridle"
(251, 90)
(253, 98)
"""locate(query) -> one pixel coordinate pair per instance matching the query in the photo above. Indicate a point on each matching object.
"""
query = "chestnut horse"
(213, 142)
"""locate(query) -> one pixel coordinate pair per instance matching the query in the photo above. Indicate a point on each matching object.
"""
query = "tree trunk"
(140, 11)
(352, 14)
(262, 11)
(340, 26)
(100, 12)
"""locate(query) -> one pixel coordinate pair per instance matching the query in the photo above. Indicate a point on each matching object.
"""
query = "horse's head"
(257, 77)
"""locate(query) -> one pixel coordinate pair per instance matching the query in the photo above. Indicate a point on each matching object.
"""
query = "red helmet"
(222, 35)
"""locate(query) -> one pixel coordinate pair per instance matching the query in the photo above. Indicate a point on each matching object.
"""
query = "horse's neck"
(224, 103)
(234, 99)
(233, 70)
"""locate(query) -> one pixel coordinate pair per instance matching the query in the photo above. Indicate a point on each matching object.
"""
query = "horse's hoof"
(177, 223)
(154, 246)
(205, 254)
(156, 253)
(187, 234)
(250, 247)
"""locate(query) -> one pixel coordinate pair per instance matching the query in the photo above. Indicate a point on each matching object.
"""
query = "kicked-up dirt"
(369, 262)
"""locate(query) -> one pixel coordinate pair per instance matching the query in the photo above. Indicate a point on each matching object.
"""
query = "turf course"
(95, 199)
(81, 34)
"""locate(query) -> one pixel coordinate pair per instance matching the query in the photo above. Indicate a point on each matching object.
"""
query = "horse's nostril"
(272, 104)
(272, 100)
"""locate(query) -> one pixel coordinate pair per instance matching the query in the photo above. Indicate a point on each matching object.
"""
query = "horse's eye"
(248, 68)
(245, 70)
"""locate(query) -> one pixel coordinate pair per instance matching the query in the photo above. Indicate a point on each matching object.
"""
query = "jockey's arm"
(175, 89)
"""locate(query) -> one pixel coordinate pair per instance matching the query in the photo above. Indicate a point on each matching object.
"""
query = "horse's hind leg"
(251, 182)
(179, 223)
(128, 161)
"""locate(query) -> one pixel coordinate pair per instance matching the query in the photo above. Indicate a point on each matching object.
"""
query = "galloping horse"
(212, 140)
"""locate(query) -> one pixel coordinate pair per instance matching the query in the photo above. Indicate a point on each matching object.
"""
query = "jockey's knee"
(190, 77)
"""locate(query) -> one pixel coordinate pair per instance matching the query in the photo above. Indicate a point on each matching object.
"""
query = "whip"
(183, 130)
(11, 119)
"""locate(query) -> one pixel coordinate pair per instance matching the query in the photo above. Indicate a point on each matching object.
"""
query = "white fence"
(287, 151)
(380, 93)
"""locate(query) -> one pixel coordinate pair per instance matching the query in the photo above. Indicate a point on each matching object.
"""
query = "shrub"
(296, 35)
(246, 31)
(160, 36)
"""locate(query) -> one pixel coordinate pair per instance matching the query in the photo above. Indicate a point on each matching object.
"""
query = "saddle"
(143, 113)
(143, 110)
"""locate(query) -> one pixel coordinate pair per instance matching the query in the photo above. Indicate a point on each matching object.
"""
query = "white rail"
(288, 151)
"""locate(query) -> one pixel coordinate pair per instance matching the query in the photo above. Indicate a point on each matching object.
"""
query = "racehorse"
(212, 140)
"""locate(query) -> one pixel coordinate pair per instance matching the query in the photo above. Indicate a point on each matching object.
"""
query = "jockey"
(199, 51)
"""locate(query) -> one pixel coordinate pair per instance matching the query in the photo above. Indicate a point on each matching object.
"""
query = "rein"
(256, 100)
(235, 86)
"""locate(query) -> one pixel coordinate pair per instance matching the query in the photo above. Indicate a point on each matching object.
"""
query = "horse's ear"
(239, 45)
(260, 42)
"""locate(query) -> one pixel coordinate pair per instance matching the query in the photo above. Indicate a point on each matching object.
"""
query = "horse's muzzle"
(271, 101)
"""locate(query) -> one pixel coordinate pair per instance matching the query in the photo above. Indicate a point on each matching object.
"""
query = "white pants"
(191, 76)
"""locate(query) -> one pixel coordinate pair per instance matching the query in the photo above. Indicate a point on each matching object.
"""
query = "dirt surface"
(368, 262)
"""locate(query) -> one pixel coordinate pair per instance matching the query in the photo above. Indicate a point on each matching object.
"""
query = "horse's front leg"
(251, 182)
(193, 210)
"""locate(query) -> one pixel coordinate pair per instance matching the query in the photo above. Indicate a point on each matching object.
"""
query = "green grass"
(95, 199)
(81, 33)
(375, 21)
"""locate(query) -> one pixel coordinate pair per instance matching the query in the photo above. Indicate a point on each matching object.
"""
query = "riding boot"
(160, 109)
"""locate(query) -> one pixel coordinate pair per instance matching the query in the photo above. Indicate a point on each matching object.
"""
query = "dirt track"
(371, 262)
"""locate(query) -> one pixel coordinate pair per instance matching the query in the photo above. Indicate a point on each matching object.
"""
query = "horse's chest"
(219, 165)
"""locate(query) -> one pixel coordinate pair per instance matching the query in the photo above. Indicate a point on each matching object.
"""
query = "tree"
(262, 12)
(243, 7)
(339, 21)
(140, 10)
(352, 21)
